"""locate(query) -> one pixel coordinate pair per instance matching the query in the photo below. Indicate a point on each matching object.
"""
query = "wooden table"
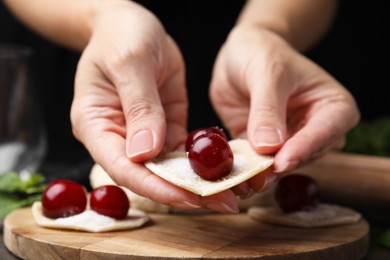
(353, 180)
(375, 252)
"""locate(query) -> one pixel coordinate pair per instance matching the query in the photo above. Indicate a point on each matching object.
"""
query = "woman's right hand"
(130, 102)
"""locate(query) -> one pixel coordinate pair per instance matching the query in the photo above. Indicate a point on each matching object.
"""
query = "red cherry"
(201, 131)
(63, 198)
(111, 201)
(210, 156)
(297, 192)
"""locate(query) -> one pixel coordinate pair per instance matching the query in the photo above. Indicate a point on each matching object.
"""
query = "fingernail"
(141, 142)
(223, 207)
(247, 195)
(267, 136)
(269, 181)
(185, 205)
(287, 166)
(243, 188)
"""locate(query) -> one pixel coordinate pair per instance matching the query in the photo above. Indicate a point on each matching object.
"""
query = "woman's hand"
(130, 103)
(283, 103)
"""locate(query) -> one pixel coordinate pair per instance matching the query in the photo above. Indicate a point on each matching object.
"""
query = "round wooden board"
(211, 236)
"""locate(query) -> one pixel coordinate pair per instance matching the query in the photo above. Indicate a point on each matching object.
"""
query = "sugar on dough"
(90, 221)
(321, 216)
(175, 168)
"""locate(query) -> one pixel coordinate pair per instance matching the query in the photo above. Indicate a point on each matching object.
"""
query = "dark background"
(355, 52)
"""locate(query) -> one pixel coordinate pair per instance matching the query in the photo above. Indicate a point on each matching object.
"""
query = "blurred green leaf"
(16, 193)
(10, 182)
(370, 138)
(11, 201)
(34, 180)
(384, 240)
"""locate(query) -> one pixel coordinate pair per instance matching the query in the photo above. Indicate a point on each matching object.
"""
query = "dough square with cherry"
(175, 168)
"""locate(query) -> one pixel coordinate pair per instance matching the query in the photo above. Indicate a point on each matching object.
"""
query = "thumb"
(144, 114)
(267, 116)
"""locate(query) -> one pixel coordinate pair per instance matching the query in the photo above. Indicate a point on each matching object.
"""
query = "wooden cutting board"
(211, 236)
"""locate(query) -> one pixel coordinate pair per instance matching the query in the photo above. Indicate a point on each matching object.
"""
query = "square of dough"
(89, 220)
(321, 216)
(175, 168)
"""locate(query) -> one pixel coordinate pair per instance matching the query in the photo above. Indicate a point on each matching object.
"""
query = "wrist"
(268, 30)
(100, 8)
(124, 20)
(263, 35)
(302, 23)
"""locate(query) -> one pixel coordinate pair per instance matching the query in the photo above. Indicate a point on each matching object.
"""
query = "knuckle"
(139, 108)
(267, 111)
(131, 55)
(274, 72)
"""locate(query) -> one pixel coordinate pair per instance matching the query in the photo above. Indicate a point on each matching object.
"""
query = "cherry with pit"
(296, 192)
(63, 198)
(201, 131)
(209, 153)
(111, 201)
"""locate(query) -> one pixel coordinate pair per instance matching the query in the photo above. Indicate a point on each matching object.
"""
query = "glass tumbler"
(22, 134)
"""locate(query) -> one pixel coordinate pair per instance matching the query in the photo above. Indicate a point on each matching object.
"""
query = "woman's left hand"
(283, 103)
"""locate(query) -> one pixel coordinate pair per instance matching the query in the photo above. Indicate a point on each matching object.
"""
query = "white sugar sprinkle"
(87, 219)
